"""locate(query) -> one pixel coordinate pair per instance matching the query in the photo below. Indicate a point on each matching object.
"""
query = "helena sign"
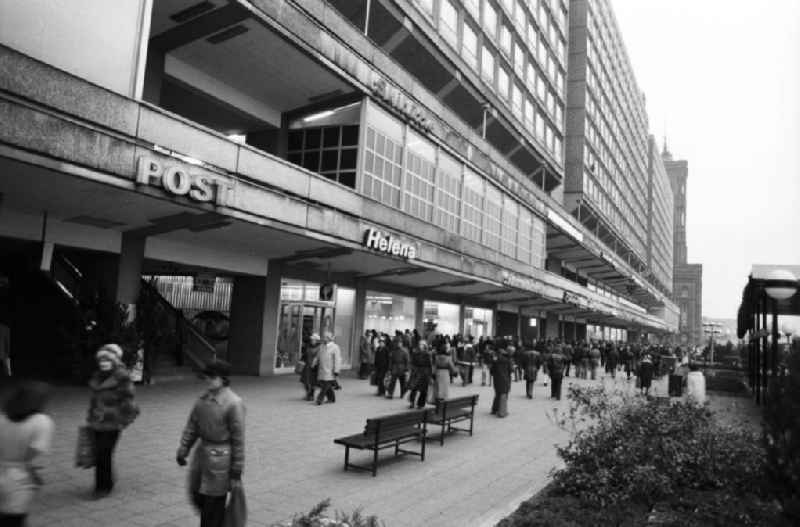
(386, 243)
(184, 180)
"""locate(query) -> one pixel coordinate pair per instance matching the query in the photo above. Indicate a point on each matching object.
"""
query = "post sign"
(386, 243)
(182, 179)
(204, 282)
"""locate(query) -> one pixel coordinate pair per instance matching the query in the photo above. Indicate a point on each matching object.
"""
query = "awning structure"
(770, 290)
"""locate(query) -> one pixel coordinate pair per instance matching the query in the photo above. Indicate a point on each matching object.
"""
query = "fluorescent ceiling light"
(317, 116)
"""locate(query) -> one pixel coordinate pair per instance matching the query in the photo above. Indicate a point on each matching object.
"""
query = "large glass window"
(478, 322)
(538, 243)
(419, 180)
(490, 19)
(516, 99)
(383, 160)
(525, 235)
(502, 83)
(510, 226)
(448, 192)
(505, 39)
(448, 22)
(472, 206)
(487, 65)
(387, 313)
(474, 8)
(492, 216)
(442, 317)
(519, 59)
(469, 46)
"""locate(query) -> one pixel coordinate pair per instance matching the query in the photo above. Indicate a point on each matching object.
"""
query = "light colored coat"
(329, 360)
(696, 387)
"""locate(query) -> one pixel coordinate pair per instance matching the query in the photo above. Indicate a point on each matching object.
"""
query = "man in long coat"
(501, 380)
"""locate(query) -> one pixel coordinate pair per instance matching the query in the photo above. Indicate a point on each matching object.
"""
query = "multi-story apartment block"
(660, 227)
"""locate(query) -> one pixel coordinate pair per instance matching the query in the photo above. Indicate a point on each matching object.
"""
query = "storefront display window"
(478, 322)
(343, 325)
(301, 314)
(387, 313)
(441, 317)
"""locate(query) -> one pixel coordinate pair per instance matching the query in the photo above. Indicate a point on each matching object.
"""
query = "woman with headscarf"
(25, 433)
(111, 409)
(443, 367)
(217, 422)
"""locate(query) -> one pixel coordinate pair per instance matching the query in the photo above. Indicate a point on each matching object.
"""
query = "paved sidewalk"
(292, 463)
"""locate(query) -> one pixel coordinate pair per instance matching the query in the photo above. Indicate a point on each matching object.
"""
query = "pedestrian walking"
(216, 425)
(381, 365)
(399, 363)
(111, 409)
(26, 432)
(421, 373)
(594, 360)
(309, 374)
(646, 371)
(501, 376)
(612, 360)
(531, 360)
(328, 362)
(443, 368)
(555, 365)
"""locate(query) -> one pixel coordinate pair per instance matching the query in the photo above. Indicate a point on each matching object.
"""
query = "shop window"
(383, 159)
(472, 207)
(478, 322)
(440, 317)
(448, 193)
(343, 324)
(387, 313)
(492, 212)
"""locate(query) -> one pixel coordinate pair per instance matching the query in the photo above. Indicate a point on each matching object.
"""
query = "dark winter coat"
(555, 365)
(530, 362)
(501, 374)
(382, 358)
(400, 360)
(111, 406)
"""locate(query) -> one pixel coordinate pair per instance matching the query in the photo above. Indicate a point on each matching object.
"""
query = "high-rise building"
(687, 285)
(660, 210)
(341, 165)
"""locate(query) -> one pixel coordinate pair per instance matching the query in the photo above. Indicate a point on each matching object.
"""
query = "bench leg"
(471, 421)
(375, 463)
(422, 456)
(346, 457)
(441, 437)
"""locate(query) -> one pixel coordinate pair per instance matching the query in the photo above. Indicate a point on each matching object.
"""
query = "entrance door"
(297, 323)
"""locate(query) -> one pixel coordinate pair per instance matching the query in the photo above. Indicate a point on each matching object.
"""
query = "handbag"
(372, 380)
(299, 367)
(236, 509)
(84, 452)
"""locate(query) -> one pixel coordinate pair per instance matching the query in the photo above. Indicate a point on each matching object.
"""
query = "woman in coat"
(309, 374)
(530, 367)
(646, 371)
(421, 373)
(501, 377)
(217, 422)
(443, 367)
(111, 409)
(25, 433)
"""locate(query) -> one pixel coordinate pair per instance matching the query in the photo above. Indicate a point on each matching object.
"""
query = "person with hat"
(217, 422)
(111, 409)
(309, 374)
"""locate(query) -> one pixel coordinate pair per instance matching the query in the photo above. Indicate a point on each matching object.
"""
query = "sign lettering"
(386, 243)
(182, 180)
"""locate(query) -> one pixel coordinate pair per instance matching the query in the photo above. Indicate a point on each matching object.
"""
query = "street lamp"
(780, 284)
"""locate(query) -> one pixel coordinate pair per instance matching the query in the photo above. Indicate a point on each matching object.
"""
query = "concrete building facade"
(346, 166)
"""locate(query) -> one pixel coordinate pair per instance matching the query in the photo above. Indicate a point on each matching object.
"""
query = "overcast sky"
(722, 80)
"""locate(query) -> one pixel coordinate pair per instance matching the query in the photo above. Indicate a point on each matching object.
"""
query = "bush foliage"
(317, 517)
(632, 449)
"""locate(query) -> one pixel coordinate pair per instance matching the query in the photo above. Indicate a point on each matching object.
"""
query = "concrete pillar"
(419, 314)
(255, 306)
(129, 274)
(462, 313)
(551, 326)
(358, 314)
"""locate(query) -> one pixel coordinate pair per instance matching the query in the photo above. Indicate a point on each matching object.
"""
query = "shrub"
(631, 449)
(316, 517)
(782, 437)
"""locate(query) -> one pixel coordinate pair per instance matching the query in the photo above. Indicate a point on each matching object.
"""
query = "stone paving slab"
(292, 463)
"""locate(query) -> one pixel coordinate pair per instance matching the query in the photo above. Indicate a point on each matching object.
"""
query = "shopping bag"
(236, 509)
(299, 367)
(372, 379)
(84, 452)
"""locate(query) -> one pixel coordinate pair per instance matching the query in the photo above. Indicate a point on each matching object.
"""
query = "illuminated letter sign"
(182, 180)
(385, 243)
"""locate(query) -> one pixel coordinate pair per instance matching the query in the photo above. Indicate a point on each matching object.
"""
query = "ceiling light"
(317, 116)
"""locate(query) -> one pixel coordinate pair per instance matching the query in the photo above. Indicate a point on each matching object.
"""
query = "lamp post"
(779, 285)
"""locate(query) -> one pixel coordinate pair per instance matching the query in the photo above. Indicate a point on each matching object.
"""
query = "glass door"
(289, 337)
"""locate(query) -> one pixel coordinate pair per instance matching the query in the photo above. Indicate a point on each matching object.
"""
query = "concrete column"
(462, 313)
(358, 315)
(255, 306)
(129, 274)
(551, 326)
(419, 314)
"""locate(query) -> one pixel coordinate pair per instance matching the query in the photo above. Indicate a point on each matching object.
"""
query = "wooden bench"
(384, 432)
(452, 411)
